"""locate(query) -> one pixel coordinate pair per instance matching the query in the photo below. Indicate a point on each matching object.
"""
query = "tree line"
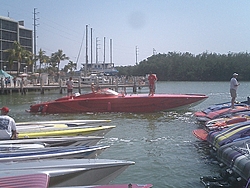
(206, 66)
(172, 66)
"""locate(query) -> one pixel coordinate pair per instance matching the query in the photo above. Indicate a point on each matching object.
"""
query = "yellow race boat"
(70, 131)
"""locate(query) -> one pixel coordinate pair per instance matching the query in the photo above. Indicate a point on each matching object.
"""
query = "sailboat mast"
(111, 60)
(91, 50)
(86, 64)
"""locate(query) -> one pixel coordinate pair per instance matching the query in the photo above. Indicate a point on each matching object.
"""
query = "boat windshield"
(108, 91)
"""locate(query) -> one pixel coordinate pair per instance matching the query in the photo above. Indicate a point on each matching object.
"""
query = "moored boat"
(56, 141)
(225, 122)
(42, 181)
(236, 156)
(69, 172)
(228, 135)
(32, 180)
(218, 125)
(66, 122)
(107, 100)
(51, 153)
(79, 131)
(220, 106)
(203, 116)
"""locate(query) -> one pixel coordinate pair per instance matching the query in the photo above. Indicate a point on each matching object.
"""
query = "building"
(10, 31)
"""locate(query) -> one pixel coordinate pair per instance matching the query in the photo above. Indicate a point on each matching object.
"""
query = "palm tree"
(58, 57)
(18, 53)
(71, 66)
(42, 59)
(11, 57)
(27, 57)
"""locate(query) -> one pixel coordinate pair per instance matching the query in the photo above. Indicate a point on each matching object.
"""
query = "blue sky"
(141, 27)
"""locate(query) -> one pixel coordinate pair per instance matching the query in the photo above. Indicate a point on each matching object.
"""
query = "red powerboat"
(107, 100)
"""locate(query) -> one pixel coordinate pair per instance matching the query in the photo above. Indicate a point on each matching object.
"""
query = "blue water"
(166, 153)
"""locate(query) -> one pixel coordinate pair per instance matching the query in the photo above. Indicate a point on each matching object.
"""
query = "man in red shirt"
(152, 79)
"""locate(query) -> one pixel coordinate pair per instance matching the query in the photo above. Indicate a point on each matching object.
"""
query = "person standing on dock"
(14, 81)
(93, 88)
(69, 84)
(7, 125)
(152, 79)
(233, 88)
(6, 82)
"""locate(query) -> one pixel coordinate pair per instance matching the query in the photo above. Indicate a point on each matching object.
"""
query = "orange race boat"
(107, 100)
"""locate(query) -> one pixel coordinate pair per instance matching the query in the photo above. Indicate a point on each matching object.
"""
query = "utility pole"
(104, 53)
(35, 24)
(86, 64)
(136, 55)
(91, 50)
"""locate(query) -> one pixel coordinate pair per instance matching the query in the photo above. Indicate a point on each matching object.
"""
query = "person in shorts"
(233, 89)
(70, 85)
(151, 80)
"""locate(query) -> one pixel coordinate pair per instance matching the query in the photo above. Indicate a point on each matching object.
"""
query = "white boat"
(68, 122)
(54, 141)
(50, 127)
(52, 153)
(63, 131)
(42, 181)
(11, 147)
(69, 172)
(94, 78)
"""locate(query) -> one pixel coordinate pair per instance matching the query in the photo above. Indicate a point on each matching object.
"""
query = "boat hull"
(49, 153)
(42, 181)
(236, 156)
(69, 172)
(56, 142)
(228, 135)
(32, 180)
(141, 103)
(94, 131)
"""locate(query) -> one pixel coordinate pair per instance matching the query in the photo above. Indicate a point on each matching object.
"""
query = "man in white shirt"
(233, 88)
(7, 125)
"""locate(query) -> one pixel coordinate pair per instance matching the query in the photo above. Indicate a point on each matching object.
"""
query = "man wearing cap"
(233, 88)
(7, 125)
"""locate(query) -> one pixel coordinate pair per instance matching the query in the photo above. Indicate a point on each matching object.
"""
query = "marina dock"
(63, 88)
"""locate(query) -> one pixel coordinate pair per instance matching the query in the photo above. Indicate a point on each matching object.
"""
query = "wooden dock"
(63, 88)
